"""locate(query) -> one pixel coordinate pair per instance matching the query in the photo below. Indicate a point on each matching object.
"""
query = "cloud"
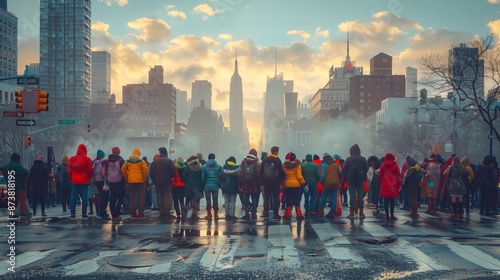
(225, 36)
(205, 10)
(305, 36)
(117, 2)
(495, 26)
(169, 7)
(101, 34)
(322, 33)
(177, 14)
(153, 31)
(494, 1)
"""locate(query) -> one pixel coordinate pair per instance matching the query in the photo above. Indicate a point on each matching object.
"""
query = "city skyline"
(197, 41)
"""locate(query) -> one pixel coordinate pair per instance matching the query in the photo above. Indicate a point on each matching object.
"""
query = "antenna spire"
(348, 58)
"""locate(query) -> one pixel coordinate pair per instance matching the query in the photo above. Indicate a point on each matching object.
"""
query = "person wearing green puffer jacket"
(193, 190)
(14, 169)
(230, 186)
(210, 174)
(310, 172)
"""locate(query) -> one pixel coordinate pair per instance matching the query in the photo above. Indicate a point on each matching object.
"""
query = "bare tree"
(464, 72)
(400, 139)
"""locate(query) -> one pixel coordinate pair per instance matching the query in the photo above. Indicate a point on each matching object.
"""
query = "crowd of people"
(315, 183)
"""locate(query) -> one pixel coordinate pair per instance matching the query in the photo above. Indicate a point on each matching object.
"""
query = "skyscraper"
(8, 42)
(467, 70)
(236, 103)
(411, 82)
(65, 56)
(101, 77)
(201, 91)
(183, 108)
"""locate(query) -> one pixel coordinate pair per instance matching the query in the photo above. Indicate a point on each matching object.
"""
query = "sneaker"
(85, 217)
(133, 216)
(72, 217)
(91, 213)
(43, 214)
(34, 213)
(141, 217)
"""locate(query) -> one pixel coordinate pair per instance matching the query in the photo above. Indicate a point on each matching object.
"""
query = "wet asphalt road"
(430, 247)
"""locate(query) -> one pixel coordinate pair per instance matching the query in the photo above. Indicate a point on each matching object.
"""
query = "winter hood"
(136, 155)
(291, 164)
(355, 150)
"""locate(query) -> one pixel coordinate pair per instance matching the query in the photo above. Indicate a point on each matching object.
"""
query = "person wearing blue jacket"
(210, 174)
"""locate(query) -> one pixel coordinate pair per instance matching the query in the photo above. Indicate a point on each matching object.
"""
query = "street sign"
(13, 114)
(25, 122)
(492, 136)
(66, 122)
(29, 81)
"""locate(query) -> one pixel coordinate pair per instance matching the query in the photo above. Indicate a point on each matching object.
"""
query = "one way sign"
(25, 122)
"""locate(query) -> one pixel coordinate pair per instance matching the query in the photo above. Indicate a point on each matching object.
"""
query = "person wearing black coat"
(39, 179)
(487, 184)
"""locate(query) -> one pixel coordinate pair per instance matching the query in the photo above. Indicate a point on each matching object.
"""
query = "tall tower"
(65, 56)
(236, 103)
(201, 91)
(8, 42)
(101, 77)
(411, 82)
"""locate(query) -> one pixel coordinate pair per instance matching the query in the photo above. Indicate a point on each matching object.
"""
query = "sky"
(197, 40)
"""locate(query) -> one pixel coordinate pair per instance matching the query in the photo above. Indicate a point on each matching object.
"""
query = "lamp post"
(491, 136)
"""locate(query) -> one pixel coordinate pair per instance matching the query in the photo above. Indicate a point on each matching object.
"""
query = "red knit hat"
(115, 151)
(40, 158)
(290, 156)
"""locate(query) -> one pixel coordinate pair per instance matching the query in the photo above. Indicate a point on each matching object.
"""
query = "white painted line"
(24, 259)
(424, 262)
(403, 247)
(333, 240)
(220, 254)
(89, 266)
(473, 255)
(282, 251)
(157, 268)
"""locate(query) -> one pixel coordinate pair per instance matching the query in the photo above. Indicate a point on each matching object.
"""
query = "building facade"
(201, 90)
(183, 106)
(101, 77)
(151, 115)
(8, 43)
(467, 70)
(333, 98)
(65, 56)
(411, 82)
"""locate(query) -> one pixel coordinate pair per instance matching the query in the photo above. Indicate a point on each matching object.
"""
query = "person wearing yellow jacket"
(135, 172)
(293, 185)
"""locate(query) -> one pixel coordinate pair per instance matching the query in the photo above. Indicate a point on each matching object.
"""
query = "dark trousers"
(292, 196)
(37, 197)
(103, 198)
(65, 198)
(115, 202)
(271, 197)
(389, 203)
(254, 204)
(178, 198)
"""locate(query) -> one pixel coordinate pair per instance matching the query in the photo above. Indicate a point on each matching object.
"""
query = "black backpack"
(269, 172)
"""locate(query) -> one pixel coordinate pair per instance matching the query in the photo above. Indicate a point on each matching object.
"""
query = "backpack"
(356, 173)
(247, 173)
(269, 173)
(114, 173)
(332, 179)
(97, 170)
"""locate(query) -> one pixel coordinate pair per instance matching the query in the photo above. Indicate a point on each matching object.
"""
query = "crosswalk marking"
(403, 247)
(24, 259)
(282, 251)
(473, 255)
(220, 254)
(157, 268)
(333, 242)
(89, 266)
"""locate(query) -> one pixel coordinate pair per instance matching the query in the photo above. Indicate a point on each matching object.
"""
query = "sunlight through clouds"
(205, 10)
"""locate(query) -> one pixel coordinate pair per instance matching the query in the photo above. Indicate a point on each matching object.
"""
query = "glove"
(306, 188)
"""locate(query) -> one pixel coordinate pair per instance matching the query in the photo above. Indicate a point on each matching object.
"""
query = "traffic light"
(88, 128)
(28, 141)
(19, 99)
(43, 100)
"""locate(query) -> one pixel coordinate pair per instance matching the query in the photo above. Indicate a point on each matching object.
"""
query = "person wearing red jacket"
(79, 172)
(390, 184)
